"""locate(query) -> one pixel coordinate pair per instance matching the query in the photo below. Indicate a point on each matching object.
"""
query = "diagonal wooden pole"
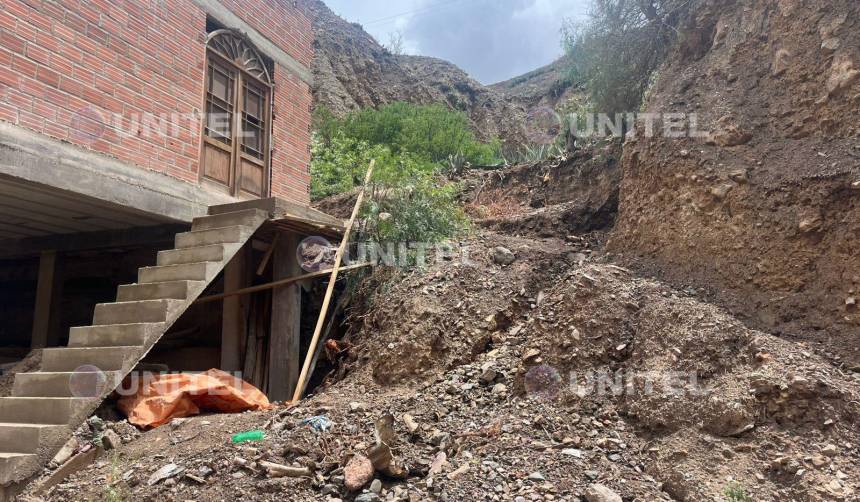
(300, 385)
(277, 284)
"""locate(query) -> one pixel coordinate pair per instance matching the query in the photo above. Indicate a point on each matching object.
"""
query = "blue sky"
(492, 40)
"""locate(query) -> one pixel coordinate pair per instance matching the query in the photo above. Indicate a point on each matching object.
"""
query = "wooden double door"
(237, 123)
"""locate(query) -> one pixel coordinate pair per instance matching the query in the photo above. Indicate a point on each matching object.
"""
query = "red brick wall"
(74, 69)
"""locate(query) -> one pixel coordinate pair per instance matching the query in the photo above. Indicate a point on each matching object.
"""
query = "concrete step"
(85, 358)
(114, 335)
(212, 236)
(65, 384)
(24, 438)
(42, 410)
(202, 271)
(13, 463)
(247, 217)
(135, 312)
(212, 252)
(173, 290)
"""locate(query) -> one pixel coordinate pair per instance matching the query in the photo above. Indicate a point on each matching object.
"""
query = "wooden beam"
(45, 312)
(277, 284)
(233, 318)
(268, 255)
(284, 356)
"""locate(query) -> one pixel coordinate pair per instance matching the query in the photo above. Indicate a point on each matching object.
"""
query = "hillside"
(548, 85)
(353, 71)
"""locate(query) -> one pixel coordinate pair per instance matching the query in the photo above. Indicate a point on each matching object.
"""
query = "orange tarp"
(160, 398)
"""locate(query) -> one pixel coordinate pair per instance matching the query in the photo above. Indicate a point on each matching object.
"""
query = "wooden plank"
(268, 255)
(233, 318)
(76, 464)
(45, 312)
(327, 299)
(284, 337)
(277, 284)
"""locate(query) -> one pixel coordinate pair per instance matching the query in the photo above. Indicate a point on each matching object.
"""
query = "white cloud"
(491, 39)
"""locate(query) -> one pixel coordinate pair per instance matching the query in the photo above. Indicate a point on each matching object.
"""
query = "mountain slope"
(353, 71)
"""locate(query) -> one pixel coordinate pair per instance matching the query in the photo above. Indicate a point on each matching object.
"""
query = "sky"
(492, 40)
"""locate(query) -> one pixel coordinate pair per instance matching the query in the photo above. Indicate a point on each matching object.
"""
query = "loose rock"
(601, 493)
(357, 473)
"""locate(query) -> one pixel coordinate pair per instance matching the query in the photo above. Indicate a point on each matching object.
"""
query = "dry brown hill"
(352, 71)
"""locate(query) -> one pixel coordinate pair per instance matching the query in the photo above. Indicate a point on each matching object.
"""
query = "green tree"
(617, 48)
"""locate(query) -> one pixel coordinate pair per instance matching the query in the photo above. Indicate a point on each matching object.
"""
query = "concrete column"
(233, 316)
(284, 356)
(48, 293)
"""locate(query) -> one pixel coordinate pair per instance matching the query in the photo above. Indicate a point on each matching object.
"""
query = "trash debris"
(380, 454)
(318, 423)
(279, 471)
(244, 437)
(168, 471)
(161, 398)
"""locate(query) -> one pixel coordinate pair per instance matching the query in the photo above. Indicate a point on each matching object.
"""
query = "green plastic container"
(243, 437)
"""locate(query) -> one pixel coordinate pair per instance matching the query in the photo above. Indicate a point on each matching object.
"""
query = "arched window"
(237, 121)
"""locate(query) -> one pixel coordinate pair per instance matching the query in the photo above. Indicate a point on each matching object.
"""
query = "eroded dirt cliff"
(764, 212)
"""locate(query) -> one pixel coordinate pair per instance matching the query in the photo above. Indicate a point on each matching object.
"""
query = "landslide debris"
(539, 378)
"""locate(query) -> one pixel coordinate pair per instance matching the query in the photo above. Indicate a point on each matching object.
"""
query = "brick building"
(132, 80)
(121, 122)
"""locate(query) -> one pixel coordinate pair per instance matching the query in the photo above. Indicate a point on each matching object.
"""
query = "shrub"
(419, 206)
(617, 48)
(412, 145)
(338, 163)
(736, 493)
(432, 132)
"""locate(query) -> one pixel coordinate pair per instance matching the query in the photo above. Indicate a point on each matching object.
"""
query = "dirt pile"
(763, 211)
(562, 196)
(534, 373)
(353, 71)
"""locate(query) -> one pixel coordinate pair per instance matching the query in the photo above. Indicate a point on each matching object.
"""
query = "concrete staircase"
(48, 405)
